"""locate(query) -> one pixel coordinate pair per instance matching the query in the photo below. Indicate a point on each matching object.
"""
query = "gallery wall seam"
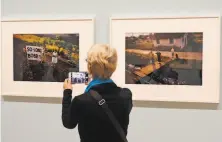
(94, 28)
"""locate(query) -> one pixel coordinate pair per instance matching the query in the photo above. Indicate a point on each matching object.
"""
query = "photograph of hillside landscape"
(45, 57)
(164, 58)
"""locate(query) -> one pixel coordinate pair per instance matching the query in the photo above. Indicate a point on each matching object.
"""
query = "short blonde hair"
(102, 61)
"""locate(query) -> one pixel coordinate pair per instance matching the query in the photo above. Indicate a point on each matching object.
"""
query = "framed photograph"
(37, 55)
(170, 59)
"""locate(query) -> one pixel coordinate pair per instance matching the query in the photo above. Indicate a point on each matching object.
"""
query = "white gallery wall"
(29, 121)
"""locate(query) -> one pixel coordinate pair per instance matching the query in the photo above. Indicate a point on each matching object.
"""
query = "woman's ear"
(89, 68)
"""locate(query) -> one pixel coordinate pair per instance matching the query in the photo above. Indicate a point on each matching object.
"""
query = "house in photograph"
(170, 39)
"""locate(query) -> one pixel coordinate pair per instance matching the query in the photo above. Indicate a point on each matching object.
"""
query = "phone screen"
(78, 77)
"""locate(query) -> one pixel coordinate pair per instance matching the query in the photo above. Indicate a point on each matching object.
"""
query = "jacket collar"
(104, 87)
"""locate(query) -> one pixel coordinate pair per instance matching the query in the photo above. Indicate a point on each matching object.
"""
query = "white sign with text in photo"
(34, 53)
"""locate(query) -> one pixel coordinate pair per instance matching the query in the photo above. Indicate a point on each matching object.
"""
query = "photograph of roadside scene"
(45, 57)
(164, 58)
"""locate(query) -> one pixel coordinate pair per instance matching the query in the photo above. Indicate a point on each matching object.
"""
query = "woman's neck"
(99, 78)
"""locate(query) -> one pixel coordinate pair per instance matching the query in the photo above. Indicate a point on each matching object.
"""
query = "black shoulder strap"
(104, 105)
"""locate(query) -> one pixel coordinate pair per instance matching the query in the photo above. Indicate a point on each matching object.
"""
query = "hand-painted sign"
(34, 53)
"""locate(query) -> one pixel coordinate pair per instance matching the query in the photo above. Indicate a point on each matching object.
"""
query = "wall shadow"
(46, 100)
(175, 105)
(144, 104)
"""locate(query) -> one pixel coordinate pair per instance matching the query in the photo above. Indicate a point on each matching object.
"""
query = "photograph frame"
(157, 93)
(83, 25)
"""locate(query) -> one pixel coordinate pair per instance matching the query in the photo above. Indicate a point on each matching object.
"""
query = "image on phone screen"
(78, 77)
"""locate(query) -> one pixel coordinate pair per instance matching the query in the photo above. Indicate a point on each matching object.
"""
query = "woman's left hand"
(67, 84)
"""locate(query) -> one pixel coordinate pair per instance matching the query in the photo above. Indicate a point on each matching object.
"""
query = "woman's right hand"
(67, 84)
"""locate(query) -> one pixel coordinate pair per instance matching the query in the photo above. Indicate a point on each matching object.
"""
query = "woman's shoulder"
(82, 96)
(125, 93)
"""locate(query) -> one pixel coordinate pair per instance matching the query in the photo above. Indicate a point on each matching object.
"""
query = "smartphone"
(78, 77)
